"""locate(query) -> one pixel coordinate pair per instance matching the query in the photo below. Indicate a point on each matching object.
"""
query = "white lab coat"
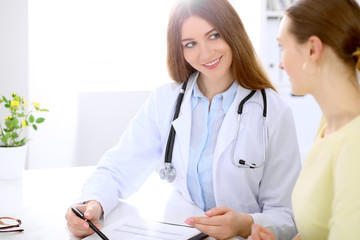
(264, 192)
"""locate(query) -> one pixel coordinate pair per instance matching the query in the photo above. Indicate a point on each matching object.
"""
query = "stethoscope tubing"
(171, 138)
(242, 163)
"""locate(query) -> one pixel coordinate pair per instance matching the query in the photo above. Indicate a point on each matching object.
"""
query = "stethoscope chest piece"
(168, 173)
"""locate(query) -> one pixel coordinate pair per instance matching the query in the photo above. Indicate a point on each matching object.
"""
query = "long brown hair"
(246, 68)
(335, 22)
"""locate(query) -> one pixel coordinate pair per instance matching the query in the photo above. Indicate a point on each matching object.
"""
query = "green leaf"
(5, 138)
(14, 122)
(7, 105)
(40, 120)
(44, 110)
(1, 100)
(5, 100)
(8, 124)
(17, 98)
(34, 127)
(31, 118)
(14, 135)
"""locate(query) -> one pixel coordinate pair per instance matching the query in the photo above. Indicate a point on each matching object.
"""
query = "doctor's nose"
(205, 53)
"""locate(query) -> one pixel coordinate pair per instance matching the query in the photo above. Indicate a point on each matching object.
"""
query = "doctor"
(239, 172)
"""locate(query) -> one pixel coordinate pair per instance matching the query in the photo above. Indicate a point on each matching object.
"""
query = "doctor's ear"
(315, 48)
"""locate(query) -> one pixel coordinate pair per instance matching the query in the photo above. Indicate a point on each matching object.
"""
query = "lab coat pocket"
(237, 187)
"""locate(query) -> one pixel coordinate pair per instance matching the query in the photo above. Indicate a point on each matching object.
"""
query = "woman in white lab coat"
(209, 49)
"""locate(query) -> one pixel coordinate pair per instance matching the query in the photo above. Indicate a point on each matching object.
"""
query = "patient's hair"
(246, 68)
(335, 22)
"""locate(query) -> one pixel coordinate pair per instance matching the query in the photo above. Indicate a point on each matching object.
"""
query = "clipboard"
(199, 236)
(132, 227)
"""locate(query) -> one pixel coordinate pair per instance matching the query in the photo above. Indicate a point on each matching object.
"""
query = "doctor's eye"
(190, 44)
(215, 36)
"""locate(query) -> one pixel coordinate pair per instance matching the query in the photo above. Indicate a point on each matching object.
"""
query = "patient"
(320, 42)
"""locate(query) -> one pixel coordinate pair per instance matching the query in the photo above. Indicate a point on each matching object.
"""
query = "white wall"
(52, 84)
(103, 117)
(13, 48)
(79, 44)
(13, 51)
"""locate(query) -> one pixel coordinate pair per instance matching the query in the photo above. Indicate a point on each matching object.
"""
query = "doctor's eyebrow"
(206, 34)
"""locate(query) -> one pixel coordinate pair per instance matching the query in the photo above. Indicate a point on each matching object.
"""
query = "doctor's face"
(205, 50)
(292, 58)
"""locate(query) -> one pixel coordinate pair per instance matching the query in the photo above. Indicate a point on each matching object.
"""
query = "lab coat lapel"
(182, 125)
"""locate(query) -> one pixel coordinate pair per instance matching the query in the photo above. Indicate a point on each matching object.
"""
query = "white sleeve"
(281, 170)
(125, 167)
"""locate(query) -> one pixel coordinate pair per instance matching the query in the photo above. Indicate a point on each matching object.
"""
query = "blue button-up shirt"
(205, 127)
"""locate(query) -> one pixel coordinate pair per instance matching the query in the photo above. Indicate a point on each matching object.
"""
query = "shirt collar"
(227, 97)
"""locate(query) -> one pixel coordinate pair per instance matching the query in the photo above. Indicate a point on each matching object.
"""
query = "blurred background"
(92, 63)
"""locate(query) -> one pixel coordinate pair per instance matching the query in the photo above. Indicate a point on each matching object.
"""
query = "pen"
(199, 236)
(81, 215)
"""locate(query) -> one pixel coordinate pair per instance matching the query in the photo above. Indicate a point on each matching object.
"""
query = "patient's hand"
(259, 232)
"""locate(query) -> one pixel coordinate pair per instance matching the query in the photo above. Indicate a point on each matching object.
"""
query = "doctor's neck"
(211, 87)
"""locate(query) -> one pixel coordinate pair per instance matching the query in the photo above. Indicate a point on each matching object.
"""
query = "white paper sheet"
(133, 228)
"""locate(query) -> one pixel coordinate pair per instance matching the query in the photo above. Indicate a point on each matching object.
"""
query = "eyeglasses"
(8, 224)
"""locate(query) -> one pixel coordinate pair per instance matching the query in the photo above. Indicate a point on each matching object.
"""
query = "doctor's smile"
(213, 64)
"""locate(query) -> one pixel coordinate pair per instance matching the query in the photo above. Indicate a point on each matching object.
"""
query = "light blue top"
(205, 127)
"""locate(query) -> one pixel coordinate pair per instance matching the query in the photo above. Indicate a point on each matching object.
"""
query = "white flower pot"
(12, 162)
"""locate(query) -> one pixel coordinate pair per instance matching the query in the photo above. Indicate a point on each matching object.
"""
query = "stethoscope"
(168, 172)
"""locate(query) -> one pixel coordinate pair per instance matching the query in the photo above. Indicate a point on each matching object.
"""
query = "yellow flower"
(13, 94)
(23, 123)
(25, 102)
(36, 104)
(15, 103)
(7, 118)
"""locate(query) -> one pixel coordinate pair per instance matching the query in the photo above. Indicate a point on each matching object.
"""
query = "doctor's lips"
(212, 64)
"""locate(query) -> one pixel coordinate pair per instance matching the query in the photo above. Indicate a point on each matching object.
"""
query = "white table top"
(41, 198)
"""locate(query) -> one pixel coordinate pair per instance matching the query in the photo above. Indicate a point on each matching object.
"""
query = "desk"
(41, 198)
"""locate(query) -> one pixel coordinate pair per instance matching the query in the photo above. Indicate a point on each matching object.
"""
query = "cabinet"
(271, 55)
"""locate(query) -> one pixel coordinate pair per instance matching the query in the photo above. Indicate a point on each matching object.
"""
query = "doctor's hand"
(223, 223)
(92, 211)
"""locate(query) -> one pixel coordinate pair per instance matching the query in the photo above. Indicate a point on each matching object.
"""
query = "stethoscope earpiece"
(250, 165)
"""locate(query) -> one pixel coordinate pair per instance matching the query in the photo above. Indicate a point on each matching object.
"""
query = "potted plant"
(13, 147)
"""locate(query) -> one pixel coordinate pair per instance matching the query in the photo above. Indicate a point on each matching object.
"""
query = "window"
(107, 43)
